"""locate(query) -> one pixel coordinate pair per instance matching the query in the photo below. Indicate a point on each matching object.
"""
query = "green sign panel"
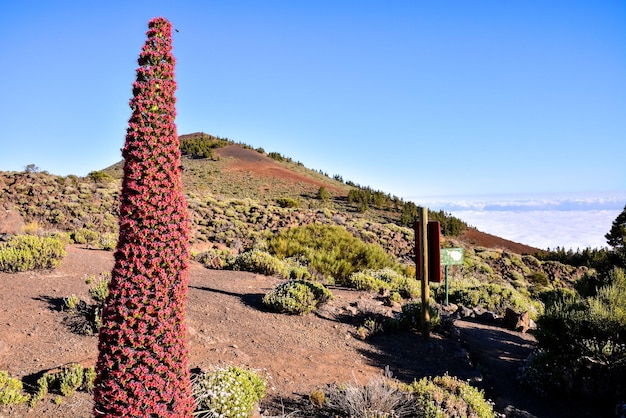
(451, 256)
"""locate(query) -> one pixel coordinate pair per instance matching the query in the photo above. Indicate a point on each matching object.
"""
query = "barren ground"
(227, 325)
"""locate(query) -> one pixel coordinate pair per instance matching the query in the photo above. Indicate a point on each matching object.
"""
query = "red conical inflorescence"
(142, 364)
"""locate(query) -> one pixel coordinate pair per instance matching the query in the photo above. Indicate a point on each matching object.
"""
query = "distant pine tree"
(142, 365)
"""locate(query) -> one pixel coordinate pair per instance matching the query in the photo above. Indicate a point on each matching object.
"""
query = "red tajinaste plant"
(142, 364)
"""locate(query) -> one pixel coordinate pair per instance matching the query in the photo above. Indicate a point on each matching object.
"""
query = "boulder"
(11, 222)
(517, 321)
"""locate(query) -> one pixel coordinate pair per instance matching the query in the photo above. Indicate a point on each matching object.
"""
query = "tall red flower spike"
(142, 364)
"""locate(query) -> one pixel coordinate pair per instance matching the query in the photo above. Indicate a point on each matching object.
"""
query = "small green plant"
(71, 302)
(64, 382)
(317, 397)
(448, 396)
(288, 202)
(411, 315)
(84, 236)
(43, 387)
(261, 262)
(89, 379)
(297, 297)
(11, 390)
(323, 194)
(70, 379)
(227, 393)
(385, 279)
(100, 290)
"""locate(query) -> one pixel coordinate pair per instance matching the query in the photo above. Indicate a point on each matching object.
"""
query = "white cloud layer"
(577, 229)
(570, 222)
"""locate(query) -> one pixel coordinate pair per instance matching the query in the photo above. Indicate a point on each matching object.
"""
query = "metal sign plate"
(452, 256)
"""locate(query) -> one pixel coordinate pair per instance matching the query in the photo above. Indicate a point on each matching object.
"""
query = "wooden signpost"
(427, 261)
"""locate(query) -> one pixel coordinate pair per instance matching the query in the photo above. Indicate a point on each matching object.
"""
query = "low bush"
(85, 236)
(582, 344)
(330, 251)
(288, 202)
(227, 393)
(491, 296)
(411, 315)
(448, 396)
(297, 297)
(11, 390)
(31, 252)
(385, 279)
(100, 289)
(261, 262)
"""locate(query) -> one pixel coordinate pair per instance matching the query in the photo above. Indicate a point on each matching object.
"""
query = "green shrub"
(107, 241)
(11, 390)
(215, 258)
(261, 262)
(385, 279)
(71, 302)
(447, 396)
(583, 343)
(100, 176)
(330, 251)
(70, 379)
(228, 393)
(538, 278)
(490, 296)
(323, 194)
(296, 270)
(100, 290)
(43, 386)
(411, 316)
(85, 236)
(288, 202)
(297, 297)
(31, 252)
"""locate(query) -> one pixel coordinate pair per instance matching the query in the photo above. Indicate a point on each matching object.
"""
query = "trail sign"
(451, 256)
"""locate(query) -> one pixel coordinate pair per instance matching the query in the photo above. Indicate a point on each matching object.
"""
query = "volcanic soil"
(227, 325)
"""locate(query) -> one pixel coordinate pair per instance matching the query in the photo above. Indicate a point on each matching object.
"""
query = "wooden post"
(423, 258)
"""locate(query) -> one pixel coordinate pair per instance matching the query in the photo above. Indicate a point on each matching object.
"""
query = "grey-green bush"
(297, 297)
(31, 252)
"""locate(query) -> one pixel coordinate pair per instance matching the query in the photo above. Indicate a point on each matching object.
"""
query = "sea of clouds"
(547, 222)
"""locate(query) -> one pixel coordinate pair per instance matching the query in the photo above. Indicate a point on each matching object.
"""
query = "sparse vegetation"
(64, 382)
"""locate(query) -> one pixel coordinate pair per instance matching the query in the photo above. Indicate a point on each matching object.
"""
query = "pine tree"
(142, 364)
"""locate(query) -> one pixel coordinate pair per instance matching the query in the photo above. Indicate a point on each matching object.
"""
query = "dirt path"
(499, 353)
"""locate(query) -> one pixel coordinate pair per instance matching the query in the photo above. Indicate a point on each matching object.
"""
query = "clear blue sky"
(415, 98)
